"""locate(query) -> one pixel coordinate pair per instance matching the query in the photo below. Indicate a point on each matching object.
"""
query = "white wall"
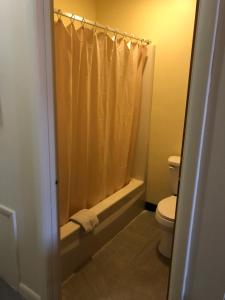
(24, 153)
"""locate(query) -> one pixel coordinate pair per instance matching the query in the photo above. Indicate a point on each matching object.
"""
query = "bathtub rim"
(100, 209)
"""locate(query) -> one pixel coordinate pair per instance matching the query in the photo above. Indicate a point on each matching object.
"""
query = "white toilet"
(165, 212)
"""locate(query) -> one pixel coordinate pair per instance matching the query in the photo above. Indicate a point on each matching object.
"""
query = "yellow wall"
(84, 8)
(169, 24)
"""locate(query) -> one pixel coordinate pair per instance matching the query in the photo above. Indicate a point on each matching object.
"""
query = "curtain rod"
(95, 24)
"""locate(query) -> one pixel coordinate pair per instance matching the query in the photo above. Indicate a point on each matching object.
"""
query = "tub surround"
(114, 213)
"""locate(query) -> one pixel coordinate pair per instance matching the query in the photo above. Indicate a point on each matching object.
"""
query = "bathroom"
(123, 235)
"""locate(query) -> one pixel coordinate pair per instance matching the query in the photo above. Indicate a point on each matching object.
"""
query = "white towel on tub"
(86, 219)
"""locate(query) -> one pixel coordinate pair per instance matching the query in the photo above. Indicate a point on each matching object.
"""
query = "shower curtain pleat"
(98, 95)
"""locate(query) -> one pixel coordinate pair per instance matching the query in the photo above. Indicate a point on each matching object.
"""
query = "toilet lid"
(167, 208)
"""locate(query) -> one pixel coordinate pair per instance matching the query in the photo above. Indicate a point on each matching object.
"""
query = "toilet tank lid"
(174, 161)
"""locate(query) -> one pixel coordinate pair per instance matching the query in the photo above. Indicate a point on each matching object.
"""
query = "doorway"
(28, 148)
(166, 105)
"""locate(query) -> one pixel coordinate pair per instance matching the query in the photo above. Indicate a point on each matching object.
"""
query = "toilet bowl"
(165, 216)
(166, 209)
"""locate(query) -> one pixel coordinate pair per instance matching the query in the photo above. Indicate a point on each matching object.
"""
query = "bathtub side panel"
(78, 247)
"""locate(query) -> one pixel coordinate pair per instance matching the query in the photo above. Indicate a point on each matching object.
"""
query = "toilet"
(166, 208)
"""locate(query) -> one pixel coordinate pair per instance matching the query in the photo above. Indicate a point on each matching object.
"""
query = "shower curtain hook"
(83, 22)
(116, 33)
(127, 36)
(106, 29)
(95, 27)
(131, 37)
(59, 14)
(72, 18)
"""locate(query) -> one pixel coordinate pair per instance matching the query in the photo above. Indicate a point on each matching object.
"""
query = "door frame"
(45, 42)
(193, 155)
(200, 117)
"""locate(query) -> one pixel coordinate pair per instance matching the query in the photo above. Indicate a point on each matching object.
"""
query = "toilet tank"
(174, 169)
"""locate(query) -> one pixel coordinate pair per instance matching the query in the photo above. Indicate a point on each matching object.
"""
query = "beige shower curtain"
(98, 92)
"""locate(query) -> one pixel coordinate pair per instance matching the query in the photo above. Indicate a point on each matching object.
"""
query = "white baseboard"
(27, 293)
(9, 270)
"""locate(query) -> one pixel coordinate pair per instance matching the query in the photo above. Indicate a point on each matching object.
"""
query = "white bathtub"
(114, 213)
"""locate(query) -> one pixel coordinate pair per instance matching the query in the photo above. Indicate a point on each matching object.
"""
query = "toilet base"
(166, 243)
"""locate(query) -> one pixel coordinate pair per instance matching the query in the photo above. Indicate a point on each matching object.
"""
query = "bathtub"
(114, 213)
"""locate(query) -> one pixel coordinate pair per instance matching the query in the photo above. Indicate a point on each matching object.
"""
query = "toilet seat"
(166, 208)
(165, 216)
(165, 213)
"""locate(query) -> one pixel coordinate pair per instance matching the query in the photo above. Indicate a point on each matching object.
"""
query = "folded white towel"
(85, 218)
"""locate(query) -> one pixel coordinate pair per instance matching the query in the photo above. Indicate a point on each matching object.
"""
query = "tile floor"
(129, 267)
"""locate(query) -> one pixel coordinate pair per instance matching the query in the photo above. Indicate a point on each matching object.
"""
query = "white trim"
(45, 18)
(194, 150)
(55, 259)
(27, 293)
(11, 214)
(8, 212)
